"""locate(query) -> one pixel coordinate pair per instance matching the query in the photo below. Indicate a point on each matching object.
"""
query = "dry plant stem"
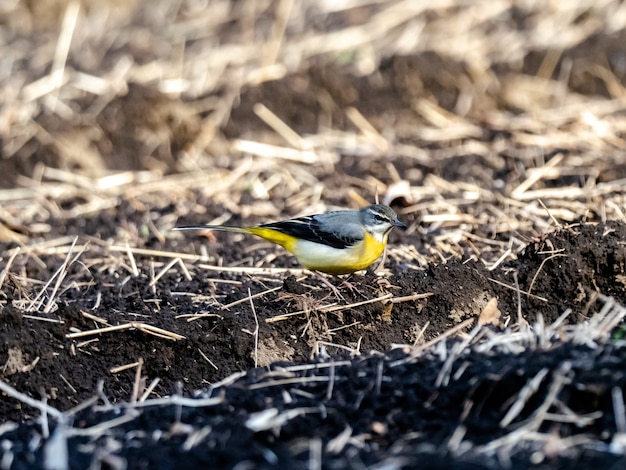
(343, 327)
(536, 175)
(186, 272)
(164, 270)
(8, 264)
(619, 409)
(250, 297)
(416, 351)
(273, 419)
(156, 253)
(118, 369)
(443, 379)
(532, 283)
(353, 351)
(409, 298)
(95, 318)
(336, 308)
(524, 395)
(173, 400)
(279, 126)
(421, 333)
(196, 316)
(133, 264)
(206, 358)
(49, 320)
(149, 390)
(543, 299)
(149, 329)
(290, 381)
(331, 382)
(59, 275)
(137, 381)
(559, 380)
(82, 406)
(63, 272)
(556, 222)
(101, 428)
(521, 321)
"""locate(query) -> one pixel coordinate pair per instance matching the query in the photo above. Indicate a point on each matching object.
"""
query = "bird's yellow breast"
(370, 250)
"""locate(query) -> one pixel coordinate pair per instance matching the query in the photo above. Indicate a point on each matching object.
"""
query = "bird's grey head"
(379, 219)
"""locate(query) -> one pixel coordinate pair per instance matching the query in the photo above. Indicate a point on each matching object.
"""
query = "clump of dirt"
(569, 266)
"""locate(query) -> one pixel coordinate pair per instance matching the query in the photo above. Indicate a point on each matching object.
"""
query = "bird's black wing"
(311, 228)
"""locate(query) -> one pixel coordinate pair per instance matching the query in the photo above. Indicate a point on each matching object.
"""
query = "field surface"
(489, 335)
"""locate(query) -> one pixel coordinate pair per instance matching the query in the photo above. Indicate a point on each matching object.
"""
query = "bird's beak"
(397, 223)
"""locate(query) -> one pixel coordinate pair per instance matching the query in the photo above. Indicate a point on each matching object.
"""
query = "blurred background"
(290, 99)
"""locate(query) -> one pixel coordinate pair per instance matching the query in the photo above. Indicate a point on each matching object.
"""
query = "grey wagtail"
(337, 242)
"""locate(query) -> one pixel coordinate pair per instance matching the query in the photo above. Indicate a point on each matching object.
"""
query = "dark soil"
(344, 385)
(589, 259)
(387, 412)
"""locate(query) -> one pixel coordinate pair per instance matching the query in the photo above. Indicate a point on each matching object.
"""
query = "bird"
(336, 242)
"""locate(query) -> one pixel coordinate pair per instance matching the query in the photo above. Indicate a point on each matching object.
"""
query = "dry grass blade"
(524, 395)
(149, 329)
(196, 316)
(8, 264)
(337, 308)
(417, 350)
(118, 369)
(543, 299)
(59, 275)
(250, 297)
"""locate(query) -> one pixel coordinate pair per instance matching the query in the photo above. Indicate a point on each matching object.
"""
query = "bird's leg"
(330, 285)
(351, 287)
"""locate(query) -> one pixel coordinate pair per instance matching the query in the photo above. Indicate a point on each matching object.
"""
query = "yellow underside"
(324, 258)
(286, 241)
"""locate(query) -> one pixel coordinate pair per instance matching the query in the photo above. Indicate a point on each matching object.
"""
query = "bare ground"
(489, 337)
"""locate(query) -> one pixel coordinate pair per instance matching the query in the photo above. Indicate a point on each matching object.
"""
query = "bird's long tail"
(269, 234)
